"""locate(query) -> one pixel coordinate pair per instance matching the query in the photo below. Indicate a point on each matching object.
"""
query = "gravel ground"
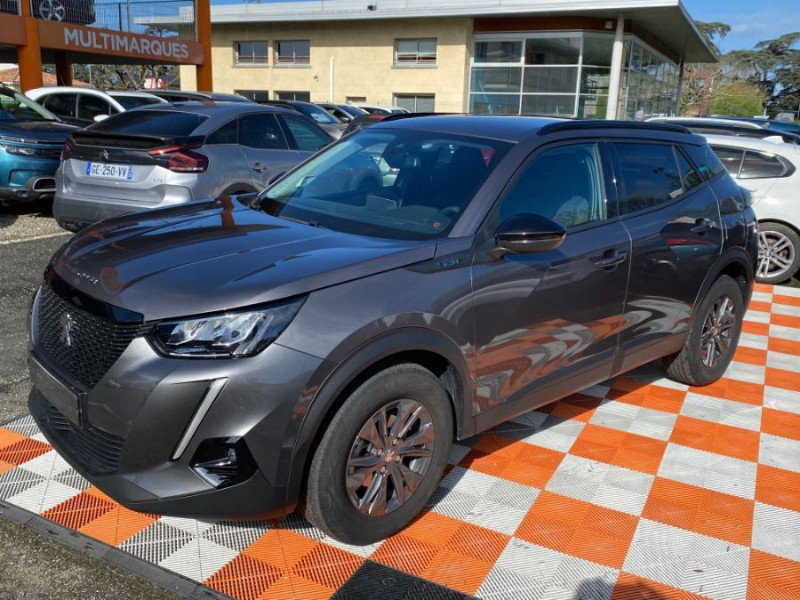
(33, 566)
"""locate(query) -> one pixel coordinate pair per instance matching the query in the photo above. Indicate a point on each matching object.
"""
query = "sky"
(751, 22)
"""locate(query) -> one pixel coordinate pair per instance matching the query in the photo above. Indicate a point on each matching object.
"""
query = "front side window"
(307, 137)
(397, 184)
(251, 53)
(415, 52)
(564, 184)
(762, 165)
(293, 52)
(648, 176)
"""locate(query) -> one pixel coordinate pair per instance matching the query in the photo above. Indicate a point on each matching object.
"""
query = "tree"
(738, 99)
(699, 78)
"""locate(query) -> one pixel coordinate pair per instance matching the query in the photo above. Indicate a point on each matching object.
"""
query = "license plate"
(59, 395)
(121, 172)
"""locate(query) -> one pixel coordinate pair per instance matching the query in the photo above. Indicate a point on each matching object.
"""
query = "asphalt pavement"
(32, 565)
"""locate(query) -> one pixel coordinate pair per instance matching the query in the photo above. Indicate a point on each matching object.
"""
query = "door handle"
(613, 259)
(702, 226)
(259, 167)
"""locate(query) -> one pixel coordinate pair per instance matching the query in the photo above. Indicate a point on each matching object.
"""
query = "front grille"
(82, 344)
(96, 451)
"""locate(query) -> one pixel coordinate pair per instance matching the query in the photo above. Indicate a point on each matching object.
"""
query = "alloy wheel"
(390, 457)
(718, 330)
(52, 10)
(776, 255)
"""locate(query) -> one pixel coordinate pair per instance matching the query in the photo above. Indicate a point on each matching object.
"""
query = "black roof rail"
(603, 124)
(399, 116)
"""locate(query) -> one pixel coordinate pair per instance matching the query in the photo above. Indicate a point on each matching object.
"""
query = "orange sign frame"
(77, 38)
(12, 30)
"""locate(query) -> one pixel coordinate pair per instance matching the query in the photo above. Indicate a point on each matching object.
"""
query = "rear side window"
(261, 131)
(151, 122)
(761, 165)
(703, 157)
(227, 134)
(730, 158)
(62, 105)
(91, 106)
(306, 136)
(649, 175)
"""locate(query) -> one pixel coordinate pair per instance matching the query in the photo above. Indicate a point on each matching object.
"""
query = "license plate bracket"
(66, 400)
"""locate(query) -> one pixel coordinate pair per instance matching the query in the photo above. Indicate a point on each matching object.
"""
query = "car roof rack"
(399, 116)
(569, 125)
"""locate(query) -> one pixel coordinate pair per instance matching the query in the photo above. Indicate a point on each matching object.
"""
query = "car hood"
(218, 255)
(36, 131)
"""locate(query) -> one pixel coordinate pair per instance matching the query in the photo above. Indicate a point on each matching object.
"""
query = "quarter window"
(293, 52)
(691, 178)
(251, 53)
(648, 174)
(415, 52)
(730, 158)
(91, 106)
(564, 184)
(761, 165)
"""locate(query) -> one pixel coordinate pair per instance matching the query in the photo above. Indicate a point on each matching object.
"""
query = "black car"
(344, 112)
(187, 96)
(329, 341)
(319, 115)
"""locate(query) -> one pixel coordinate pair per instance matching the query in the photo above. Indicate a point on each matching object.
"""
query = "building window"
(354, 99)
(251, 53)
(415, 52)
(651, 83)
(293, 52)
(259, 96)
(302, 96)
(415, 102)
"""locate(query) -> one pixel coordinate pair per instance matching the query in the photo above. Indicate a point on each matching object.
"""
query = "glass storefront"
(567, 75)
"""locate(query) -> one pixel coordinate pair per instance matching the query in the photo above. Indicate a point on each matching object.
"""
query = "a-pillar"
(29, 56)
(63, 69)
(617, 65)
(202, 13)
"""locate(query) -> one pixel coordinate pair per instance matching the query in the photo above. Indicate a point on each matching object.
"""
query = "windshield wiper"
(311, 223)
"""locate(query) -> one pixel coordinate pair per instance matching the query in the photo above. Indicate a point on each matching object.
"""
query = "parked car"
(31, 140)
(187, 96)
(343, 112)
(319, 115)
(84, 106)
(766, 123)
(732, 127)
(331, 342)
(375, 109)
(360, 123)
(770, 171)
(172, 154)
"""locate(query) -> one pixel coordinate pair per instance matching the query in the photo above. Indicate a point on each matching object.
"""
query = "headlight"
(230, 335)
(20, 150)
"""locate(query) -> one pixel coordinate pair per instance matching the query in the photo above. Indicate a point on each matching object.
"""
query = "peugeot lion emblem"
(66, 329)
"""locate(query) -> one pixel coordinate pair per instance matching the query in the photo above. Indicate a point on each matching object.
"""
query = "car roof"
(211, 108)
(134, 93)
(515, 128)
(61, 89)
(714, 121)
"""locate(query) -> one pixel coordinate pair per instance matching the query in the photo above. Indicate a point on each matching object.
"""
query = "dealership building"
(571, 58)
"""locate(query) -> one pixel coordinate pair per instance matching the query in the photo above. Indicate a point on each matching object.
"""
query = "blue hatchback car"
(31, 139)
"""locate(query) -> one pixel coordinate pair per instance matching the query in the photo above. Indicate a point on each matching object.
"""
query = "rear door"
(265, 148)
(547, 323)
(674, 222)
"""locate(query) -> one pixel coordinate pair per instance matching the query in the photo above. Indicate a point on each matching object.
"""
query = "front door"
(265, 148)
(546, 324)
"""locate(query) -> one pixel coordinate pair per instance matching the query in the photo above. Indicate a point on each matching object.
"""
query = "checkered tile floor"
(637, 488)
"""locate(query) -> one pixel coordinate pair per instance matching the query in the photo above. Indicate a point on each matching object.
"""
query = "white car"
(84, 106)
(770, 169)
(375, 109)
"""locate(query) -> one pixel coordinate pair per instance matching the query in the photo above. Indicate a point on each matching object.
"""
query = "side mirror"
(98, 118)
(528, 233)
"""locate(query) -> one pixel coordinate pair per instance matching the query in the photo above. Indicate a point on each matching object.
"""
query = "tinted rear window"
(129, 102)
(151, 122)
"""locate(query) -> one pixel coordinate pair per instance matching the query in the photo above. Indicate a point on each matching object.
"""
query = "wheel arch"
(413, 345)
(737, 264)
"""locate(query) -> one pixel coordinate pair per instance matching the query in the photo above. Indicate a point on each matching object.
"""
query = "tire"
(778, 253)
(335, 486)
(716, 324)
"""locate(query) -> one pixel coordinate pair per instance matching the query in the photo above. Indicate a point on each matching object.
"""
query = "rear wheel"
(713, 336)
(381, 457)
(778, 253)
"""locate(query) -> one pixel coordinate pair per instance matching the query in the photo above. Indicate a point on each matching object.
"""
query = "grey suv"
(171, 154)
(331, 341)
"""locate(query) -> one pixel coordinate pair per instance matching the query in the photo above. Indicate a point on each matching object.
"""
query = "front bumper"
(39, 187)
(139, 412)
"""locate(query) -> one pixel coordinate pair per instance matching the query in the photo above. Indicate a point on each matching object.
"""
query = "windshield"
(16, 107)
(397, 184)
(318, 114)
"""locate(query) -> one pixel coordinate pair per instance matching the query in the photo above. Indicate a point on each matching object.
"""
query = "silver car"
(164, 155)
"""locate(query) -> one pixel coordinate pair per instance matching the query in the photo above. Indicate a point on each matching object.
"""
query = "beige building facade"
(587, 59)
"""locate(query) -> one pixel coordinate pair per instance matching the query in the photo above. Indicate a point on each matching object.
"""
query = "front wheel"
(381, 457)
(713, 336)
